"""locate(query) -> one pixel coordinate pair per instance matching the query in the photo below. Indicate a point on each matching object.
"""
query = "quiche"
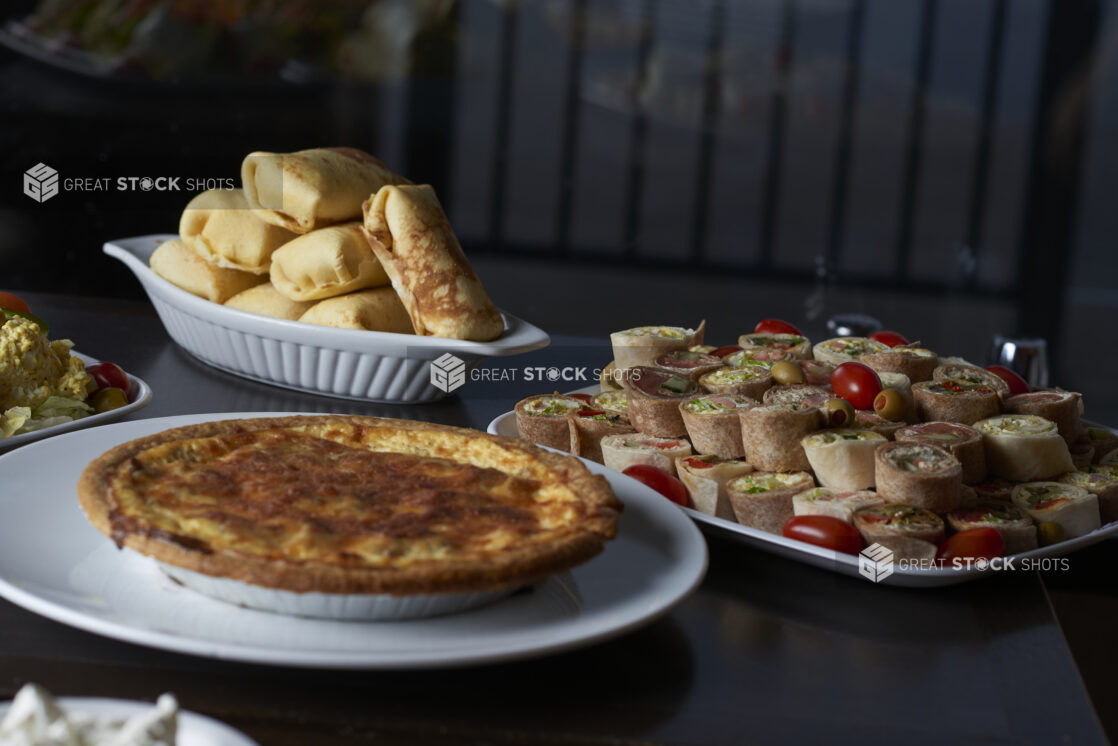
(350, 505)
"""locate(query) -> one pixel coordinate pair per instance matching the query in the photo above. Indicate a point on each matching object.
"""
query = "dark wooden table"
(767, 650)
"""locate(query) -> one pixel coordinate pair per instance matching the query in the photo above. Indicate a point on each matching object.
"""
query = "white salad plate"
(140, 393)
(346, 363)
(193, 729)
(845, 564)
(55, 563)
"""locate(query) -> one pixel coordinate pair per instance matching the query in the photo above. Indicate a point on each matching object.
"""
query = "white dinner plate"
(53, 562)
(827, 559)
(141, 395)
(194, 729)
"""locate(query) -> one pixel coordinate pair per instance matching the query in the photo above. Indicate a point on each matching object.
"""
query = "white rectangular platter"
(848, 564)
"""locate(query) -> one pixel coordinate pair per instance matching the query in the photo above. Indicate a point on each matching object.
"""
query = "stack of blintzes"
(773, 428)
(330, 236)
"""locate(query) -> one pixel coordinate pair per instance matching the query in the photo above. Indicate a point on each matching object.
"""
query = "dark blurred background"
(946, 166)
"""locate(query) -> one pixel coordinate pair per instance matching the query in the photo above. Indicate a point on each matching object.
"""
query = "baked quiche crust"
(350, 505)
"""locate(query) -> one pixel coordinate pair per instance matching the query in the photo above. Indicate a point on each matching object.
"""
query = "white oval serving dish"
(346, 363)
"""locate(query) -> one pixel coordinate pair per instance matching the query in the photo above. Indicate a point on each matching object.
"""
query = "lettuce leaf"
(61, 406)
(12, 420)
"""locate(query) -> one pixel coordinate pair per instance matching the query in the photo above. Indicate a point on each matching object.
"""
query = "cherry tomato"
(13, 303)
(857, 383)
(825, 531)
(661, 481)
(776, 326)
(108, 375)
(892, 339)
(1017, 384)
(584, 398)
(975, 543)
(724, 351)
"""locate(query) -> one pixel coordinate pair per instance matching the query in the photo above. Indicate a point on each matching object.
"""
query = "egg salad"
(41, 384)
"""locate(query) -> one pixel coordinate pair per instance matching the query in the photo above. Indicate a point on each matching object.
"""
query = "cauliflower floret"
(33, 368)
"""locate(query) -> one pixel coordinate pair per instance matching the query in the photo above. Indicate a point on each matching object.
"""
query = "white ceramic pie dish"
(346, 363)
(364, 607)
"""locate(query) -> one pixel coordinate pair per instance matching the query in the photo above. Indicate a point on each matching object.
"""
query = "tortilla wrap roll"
(1082, 454)
(763, 500)
(771, 435)
(706, 477)
(751, 381)
(1102, 482)
(839, 350)
(882, 523)
(1024, 447)
(799, 394)
(326, 263)
(917, 363)
(910, 550)
(219, 225)
(994, 489)
(375, 310)
(950, 400)
(1102, 439)
(265, 300)
(688, 363)
(313, 188)
(619, 452)
(871, 420)
(641, 345)
(542, 419)
(181, 266)
(843, 458)
(797, 345)
(589, 426)
(970, 374)
(841, 504)
(967, 496)
(961, 441)
(897, 381)
(764, 356)
(610, 376)
(712, 424)
(411, 236)
(611, 401)
(1062, 407)
(654, 399)
(817, 372)
(1072, 508)
(1013, 523)
(918, 474)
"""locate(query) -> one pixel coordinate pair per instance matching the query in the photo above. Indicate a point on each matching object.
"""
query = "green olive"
(838, 413)
(1049, 533)
(786, 373)
(108, 398)
(890, 404)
